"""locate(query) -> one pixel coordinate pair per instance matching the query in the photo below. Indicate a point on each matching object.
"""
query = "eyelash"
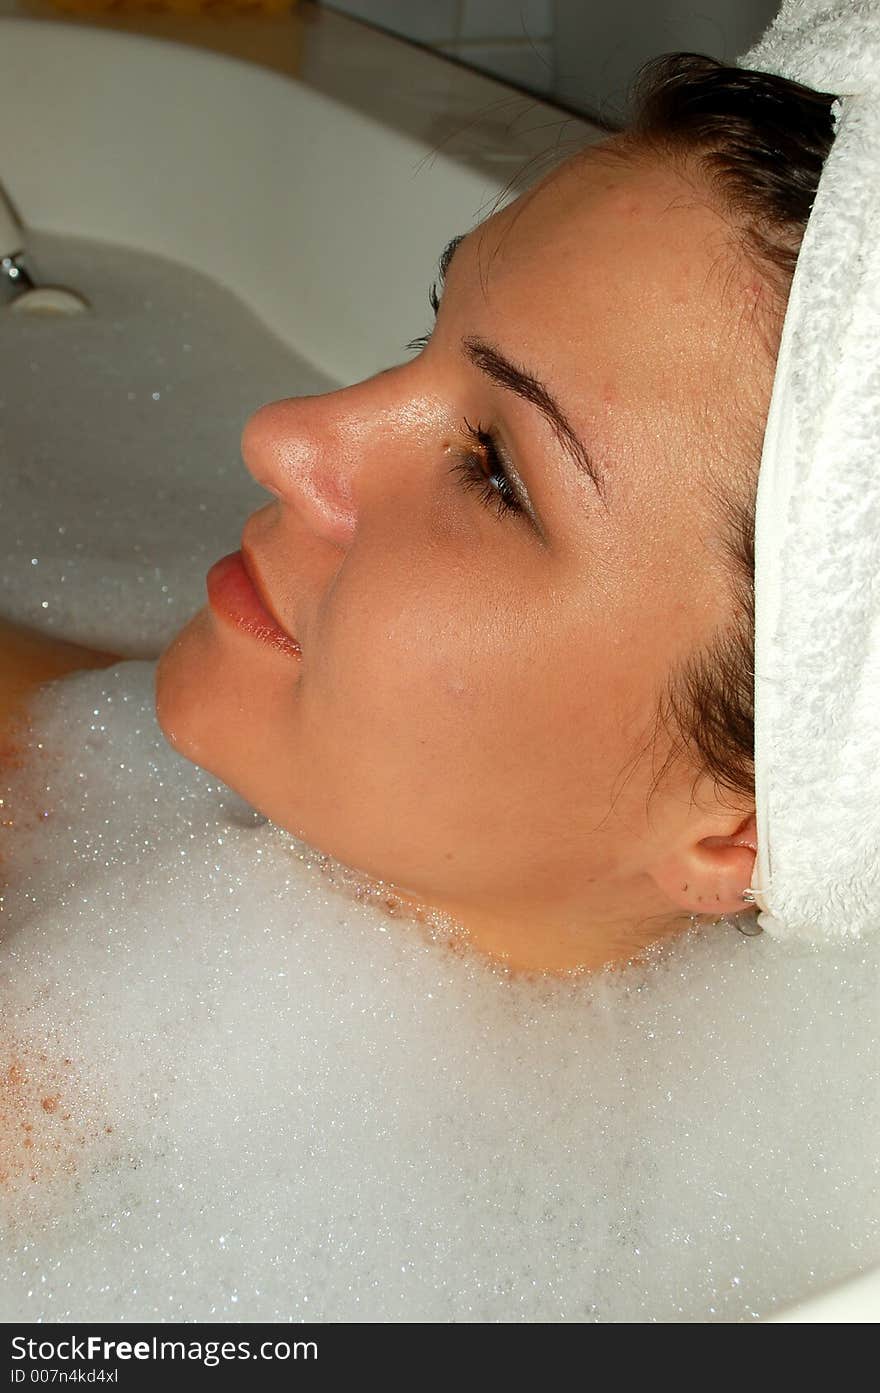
(469, 467)
(503, 499)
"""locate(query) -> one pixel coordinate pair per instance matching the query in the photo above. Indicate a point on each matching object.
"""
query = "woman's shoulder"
(29, 658)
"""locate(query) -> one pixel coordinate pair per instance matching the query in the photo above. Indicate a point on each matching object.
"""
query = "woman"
(507, 585)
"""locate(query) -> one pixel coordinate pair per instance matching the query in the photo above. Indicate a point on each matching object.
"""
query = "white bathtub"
(230, 167)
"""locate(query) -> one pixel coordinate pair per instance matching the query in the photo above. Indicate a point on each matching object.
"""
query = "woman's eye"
(485, 468)
(486, 472)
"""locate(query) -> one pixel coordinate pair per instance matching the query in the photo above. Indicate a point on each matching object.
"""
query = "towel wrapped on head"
(817, 538)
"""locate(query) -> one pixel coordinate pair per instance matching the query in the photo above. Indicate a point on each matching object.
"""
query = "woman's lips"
(232, 595)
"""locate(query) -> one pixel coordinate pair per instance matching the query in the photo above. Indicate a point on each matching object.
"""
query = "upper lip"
(256, 581)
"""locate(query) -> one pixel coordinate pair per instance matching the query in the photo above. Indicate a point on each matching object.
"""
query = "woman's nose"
(295, 449)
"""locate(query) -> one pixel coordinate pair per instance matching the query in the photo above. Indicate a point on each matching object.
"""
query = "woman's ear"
(707, 872)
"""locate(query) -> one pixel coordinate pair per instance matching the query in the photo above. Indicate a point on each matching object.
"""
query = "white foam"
(319, 1112)
(233, 1090)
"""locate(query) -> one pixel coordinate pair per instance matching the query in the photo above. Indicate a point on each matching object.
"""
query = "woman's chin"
(182, 688)
(221, 704)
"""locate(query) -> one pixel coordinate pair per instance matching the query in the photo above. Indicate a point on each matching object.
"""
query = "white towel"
(817, 543)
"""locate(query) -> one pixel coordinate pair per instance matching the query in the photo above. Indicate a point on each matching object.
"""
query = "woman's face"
(472, 717)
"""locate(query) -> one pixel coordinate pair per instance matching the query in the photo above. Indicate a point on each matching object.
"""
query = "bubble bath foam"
(234, 1089)
(232, 1085)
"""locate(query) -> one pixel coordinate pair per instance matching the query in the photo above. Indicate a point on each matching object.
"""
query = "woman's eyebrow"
(499, 369)
(493, 363)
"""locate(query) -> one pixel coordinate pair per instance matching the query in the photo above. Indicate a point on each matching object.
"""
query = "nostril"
(261, 474)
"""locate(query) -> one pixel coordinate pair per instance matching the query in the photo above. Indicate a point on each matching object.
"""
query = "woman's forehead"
(592, 223)
(625, 291)
(627, 259)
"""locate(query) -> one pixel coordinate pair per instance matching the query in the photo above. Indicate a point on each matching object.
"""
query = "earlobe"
(708, 874)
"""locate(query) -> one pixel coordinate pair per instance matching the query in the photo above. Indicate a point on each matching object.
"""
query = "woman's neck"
(536, 941)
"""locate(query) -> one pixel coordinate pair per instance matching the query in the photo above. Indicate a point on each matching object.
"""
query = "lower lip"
(232, 595)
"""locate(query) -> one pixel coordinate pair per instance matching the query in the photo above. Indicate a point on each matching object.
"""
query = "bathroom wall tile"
(600, 46)
(525, 64)
(426, 22)
(506, 19)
